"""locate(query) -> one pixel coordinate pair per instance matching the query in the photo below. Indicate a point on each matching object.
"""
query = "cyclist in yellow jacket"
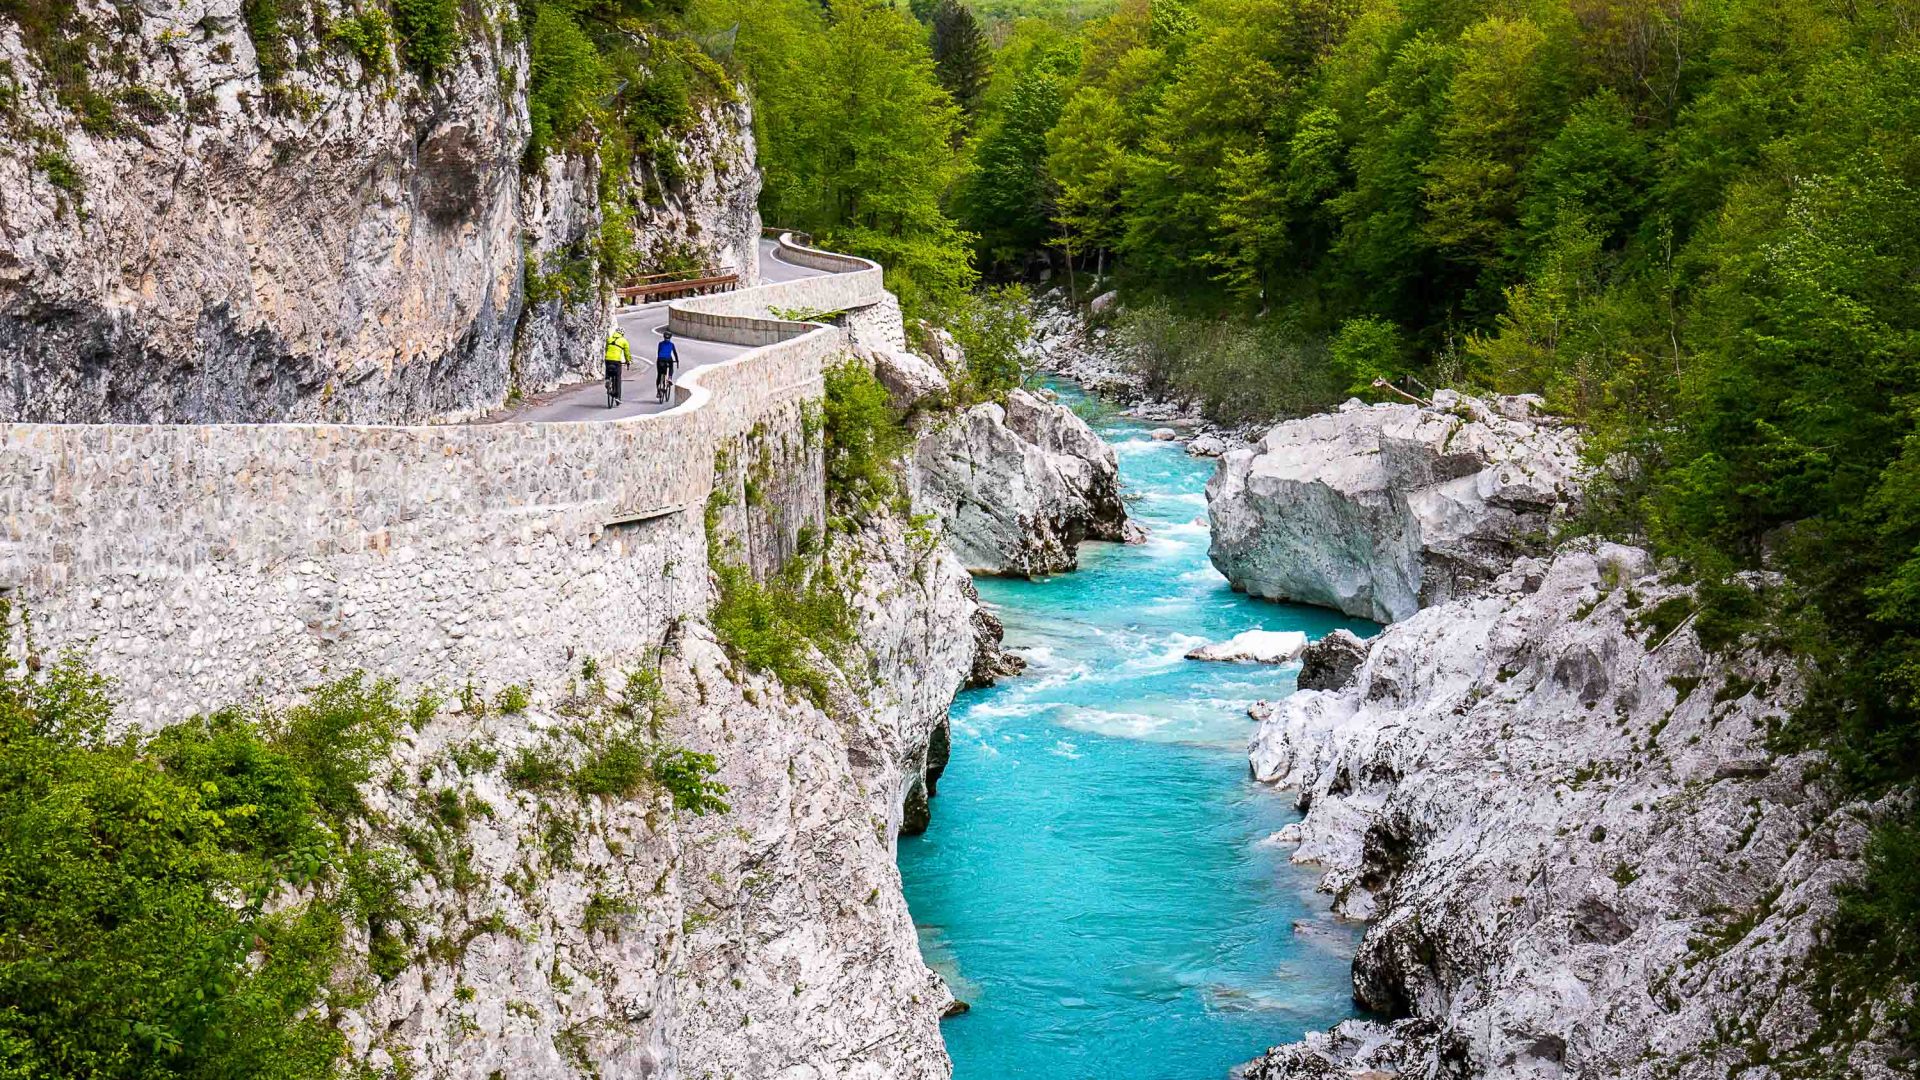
(619, 354)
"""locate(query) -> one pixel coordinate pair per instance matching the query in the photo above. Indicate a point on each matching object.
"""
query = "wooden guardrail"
(675, 284)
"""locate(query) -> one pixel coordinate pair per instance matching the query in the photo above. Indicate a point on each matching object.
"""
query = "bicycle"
(663, 384)
(613, 385)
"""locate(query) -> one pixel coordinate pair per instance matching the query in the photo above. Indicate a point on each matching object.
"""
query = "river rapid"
(1096, 882)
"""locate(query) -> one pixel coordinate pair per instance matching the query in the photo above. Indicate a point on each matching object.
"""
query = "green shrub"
(645, 698)
(60, 171)
(337, 734)
(450, 810)
(1876, 935)
(376, 885)
(864, 437)
(991, 327)
(264, 795)
(1154, 338)
(513, 700)
(570, 276)
(688, 777)
(751, 622)
(1236, 372)
(1240, 375)
(542, 768)
(1364, 350)
(137, 944)
(267, 26)
(776, 627)
(604, 912)
(429, 32)
(365, 35)
(567, 80)
(656, 102)
(617, 769)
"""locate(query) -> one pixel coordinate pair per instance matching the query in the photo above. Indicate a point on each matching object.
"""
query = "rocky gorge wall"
(618, 937)
(1556, 807)
(1577, 854)
(340, 240)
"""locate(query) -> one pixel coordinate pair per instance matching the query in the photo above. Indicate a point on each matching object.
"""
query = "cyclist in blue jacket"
(666, 358)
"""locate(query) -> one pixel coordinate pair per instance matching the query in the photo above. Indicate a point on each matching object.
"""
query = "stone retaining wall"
(828, 293)
(204, 565)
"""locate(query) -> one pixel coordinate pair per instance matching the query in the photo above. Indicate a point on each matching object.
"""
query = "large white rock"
(1377, 510)
(1018, 486)
(1257, 646)
(1207, 445)
(910, 379)
(1577, 855)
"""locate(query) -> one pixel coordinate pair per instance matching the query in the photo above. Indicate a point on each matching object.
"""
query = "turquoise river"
(1095, 882)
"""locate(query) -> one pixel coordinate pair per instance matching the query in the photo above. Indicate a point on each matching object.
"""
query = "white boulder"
(1378, 510)
(910, 379)
(1018, 486)
(1208, 445)
(1329, 664)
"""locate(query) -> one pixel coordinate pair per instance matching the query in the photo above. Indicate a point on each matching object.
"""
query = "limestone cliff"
(198, 226)
(1578, 856)
(555, 933)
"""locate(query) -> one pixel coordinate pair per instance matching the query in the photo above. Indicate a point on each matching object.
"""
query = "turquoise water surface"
(1094, 882)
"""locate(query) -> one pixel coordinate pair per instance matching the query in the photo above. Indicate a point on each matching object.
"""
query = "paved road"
(642, 325)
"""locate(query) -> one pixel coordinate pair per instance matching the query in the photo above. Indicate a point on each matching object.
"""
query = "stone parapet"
(204, 565)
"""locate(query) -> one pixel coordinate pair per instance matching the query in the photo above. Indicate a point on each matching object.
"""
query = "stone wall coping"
(831, 261)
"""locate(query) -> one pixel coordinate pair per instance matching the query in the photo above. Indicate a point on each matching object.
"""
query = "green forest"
(1691, 225)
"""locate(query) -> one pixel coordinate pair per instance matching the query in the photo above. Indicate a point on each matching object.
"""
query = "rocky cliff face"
(1577, 855)
(1018, 486)
(1379, 510)
(556, 934)
(207, 236)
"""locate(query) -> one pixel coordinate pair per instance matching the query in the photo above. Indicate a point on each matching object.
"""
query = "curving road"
(642, 325)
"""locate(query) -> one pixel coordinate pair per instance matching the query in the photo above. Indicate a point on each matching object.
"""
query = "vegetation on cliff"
(182, 904)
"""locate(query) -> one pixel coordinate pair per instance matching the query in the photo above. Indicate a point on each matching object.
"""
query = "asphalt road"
(588, 400)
